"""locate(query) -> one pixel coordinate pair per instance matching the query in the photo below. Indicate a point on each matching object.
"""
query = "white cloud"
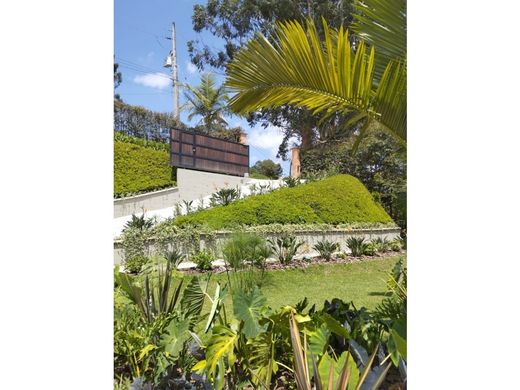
(153, 80)
(266, 140)
(190, 68)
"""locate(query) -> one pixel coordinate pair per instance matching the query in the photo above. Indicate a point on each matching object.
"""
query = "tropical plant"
(246, 255)
(203, 259)
(188, 205)
(285, 247)
(224, 196)
(395, 245)
(328, 372)
(330, 76)
(370, 249)
(381, 244)
(207, 101)
(357, 246)
(326, 248)
(139, 222)
(135, 264)
(174, 257)
(291, 181)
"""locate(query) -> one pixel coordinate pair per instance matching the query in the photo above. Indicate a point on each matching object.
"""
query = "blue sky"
(140, 48)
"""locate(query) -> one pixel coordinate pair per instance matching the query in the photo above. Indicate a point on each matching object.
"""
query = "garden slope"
(140, 168)
(335, 200)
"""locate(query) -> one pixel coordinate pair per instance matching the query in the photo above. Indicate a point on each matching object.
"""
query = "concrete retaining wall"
(310, 238)
(191, 185)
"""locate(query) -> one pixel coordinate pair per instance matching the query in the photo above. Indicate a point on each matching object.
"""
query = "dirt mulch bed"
(302, 264)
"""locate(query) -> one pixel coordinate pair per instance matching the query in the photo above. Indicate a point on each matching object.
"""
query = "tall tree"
(235, 22)
(267, 168)
(207, 101)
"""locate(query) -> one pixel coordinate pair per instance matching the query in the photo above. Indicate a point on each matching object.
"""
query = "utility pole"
(175, 76)
(171, 61)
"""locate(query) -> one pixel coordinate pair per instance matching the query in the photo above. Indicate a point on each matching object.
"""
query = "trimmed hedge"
(335, 200)
(140, 169)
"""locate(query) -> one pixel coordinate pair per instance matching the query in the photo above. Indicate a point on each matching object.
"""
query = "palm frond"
(382, 24)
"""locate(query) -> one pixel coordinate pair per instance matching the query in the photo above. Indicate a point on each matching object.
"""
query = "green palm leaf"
(325, 77)
(382, 24)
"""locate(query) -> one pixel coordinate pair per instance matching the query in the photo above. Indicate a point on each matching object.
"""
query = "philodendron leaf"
(248, 308)
(176, 333)
(398, 333)
(319, 340)
(221, 344)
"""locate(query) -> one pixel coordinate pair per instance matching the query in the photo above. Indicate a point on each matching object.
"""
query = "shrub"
(326, 248)
(174, 257)
(203, 259)
(241, 248)
(395, 245)
(140, 223)
(291, 181)
(135, 264)
(370, 249)
(357, 246)
(224, 196)
(285, 247)
(140, 169)
(381, 244)
(334, 200)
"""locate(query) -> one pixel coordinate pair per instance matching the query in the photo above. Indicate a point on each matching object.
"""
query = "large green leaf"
(248, 308)
(382, 24)
(262, 359)
(193, 297)
(174, 336)
(327, 362)
(325, 77)
(221, 344)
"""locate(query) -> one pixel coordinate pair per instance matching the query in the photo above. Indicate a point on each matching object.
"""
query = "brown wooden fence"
(205, 153)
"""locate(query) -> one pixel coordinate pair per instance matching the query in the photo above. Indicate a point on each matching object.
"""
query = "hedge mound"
(335, 200)
(139, 168)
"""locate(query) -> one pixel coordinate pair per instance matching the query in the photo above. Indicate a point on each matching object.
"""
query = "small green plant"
(382, 244)
(357, 246)
(224, 197)
(285, 247)
(370, 249)
(134, 264)
(140, 222)
(291, 181)
(174, 257)
(326, 248)
(395, 245)
(188, 206)
(203, 259)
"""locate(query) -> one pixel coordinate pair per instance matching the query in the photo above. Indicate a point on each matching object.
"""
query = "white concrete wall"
(197, 184)
(149, 201)
(191, 185)
(310, 238)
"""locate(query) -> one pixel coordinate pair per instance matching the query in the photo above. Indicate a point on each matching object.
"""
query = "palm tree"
(208, 101)
(365, 80)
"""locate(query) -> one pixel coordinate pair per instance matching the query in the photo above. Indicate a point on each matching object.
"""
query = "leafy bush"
(174, 257)
(381, 244)
(246, 254)
(291, 181)
(370, 249)
(140, 223)
(121, 137)
(135, 264)
(395, 245)
(140, 169)
(203, 259)
(357, 246)
(334, 200)
(326, 248)
(285, 247)
(224, 196)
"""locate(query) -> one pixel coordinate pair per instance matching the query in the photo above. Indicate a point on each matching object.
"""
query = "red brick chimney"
(295, 163)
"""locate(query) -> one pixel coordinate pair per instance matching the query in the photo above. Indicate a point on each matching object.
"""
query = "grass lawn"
(364, 283)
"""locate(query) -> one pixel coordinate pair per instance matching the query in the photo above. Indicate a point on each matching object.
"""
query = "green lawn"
(364, 283)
